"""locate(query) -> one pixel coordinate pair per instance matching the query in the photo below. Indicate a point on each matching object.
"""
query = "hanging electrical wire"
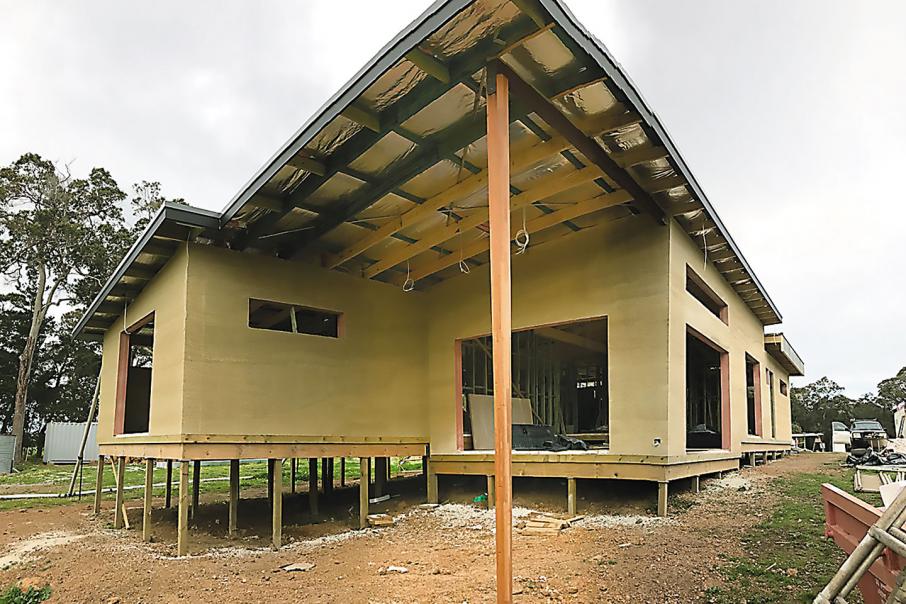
(409, 283)
(463, 265)
(522, 236)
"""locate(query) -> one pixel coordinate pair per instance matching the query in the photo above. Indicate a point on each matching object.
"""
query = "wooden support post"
(234, 497)
(277, 505)
(324, 475)
(432, 495)
(313, 485)
(119, 515)
(380, 476)
(571, 496)
(498, 116)
(182, 526)
(292, 475)
(363, 492)
(169, 487)
(662, 499)
(196, 486)
(328, 478)
(342, 472)
(99, 485)
(149, 492)
(270, 481)
(696, 484)
(491, 492)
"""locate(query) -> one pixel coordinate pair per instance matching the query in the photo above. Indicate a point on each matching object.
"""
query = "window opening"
(277, 316)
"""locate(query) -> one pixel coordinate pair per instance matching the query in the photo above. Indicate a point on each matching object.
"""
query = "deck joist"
(205, 447)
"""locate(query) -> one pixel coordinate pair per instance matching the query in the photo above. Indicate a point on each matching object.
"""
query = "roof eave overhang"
(779, 347)
(172, 213)
(434, 17)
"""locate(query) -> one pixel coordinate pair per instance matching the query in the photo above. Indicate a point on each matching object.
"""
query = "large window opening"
(559, 381)
(753, 396)
(135, 368)
(277, 316)
(705, 394)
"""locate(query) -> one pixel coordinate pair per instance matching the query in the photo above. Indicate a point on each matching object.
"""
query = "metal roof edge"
(597, 50)
(432, 18)
(176, 212)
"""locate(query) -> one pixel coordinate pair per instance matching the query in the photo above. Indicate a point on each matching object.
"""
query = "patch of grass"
(254, 476)
(788, 557)
(32, 595)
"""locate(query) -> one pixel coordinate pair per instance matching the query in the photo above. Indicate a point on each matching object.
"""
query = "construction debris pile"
(887, 457)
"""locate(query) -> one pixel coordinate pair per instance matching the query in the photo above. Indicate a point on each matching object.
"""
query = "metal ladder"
(886, 532)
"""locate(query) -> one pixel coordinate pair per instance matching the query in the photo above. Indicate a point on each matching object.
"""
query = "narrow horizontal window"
(699, 290)
(278, 316)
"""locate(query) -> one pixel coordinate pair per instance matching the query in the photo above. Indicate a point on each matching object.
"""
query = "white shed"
(62, 440)
(7, 451)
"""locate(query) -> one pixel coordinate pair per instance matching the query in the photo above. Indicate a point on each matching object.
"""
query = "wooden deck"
(586, 464)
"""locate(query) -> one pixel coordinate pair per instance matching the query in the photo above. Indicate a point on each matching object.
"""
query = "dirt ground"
(619, 553)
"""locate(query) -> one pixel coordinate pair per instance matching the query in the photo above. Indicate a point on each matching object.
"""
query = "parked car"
(867, 434)
(841, 439)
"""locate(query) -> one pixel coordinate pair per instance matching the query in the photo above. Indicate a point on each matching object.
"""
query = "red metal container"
(847, 519)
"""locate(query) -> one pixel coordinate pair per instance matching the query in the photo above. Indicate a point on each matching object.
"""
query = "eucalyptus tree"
(58, 237)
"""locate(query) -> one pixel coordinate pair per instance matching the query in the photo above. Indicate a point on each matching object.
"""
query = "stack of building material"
(378, 520)
(539, 523)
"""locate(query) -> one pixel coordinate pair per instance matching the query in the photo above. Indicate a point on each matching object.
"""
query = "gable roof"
(385, 180)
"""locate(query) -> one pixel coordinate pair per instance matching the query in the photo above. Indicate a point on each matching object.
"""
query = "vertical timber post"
(270, 481)
(696, 484)
(571, 507)
(234, 497)
(313, 485)
(498, 128)
(328, 481)
(363, 491)
(99, 485)
(169, 488)
(120, 477)
(277, 505)
(431, 488)
(196, 486)
(146, 509)
(380, 476)
(342, 472)
(292, 475)
(662, 498)
(491, 492)
(182, 526)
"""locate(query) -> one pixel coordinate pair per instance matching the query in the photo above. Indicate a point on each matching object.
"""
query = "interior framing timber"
(546, 187)
(581, 141)
(603, 201)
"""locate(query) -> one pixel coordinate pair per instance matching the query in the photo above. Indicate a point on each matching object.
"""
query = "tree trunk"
(38, 312)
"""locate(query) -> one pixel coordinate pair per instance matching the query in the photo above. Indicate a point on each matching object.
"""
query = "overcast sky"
(792, 115)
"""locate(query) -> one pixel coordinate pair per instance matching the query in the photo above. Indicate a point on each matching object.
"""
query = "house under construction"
(339, 305)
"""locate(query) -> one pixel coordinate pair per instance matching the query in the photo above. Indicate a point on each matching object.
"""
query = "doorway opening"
(707, 413)
(753, 396)
(134, 373)
(560, 380)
